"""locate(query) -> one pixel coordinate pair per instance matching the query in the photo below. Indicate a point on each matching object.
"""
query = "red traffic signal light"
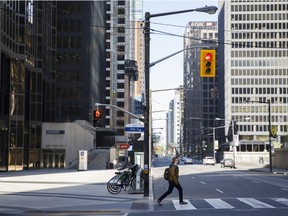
(207, 63)
(208, 56)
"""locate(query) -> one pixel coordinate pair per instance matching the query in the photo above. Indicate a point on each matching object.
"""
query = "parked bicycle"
(124, 178)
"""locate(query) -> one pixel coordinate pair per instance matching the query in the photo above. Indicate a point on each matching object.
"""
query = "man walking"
(173, 182)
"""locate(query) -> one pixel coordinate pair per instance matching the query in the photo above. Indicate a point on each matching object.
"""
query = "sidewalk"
(261, 168)
(65, 192)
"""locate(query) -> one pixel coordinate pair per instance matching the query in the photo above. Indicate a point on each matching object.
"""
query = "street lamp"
(269, 128)
(207, 9)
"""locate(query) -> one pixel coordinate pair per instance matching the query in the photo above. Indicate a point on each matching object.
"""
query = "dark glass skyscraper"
(26, 58)
(52, 68)
(80, 76)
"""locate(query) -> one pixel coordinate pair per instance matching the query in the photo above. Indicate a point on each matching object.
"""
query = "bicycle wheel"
(114, 185)
(125, 178)
(133, 184)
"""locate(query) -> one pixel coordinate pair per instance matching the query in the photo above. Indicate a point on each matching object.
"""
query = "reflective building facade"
(51, 69)
(200, 93)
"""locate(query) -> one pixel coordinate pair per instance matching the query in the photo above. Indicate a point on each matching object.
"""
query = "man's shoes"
(159, 202)
(183, 203)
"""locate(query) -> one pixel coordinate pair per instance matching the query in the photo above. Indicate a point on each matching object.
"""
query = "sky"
(169, 73)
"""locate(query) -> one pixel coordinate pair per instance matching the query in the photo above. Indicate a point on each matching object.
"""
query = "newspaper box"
(83, 160)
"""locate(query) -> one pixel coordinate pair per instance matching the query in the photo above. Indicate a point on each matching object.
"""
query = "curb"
(268, 171)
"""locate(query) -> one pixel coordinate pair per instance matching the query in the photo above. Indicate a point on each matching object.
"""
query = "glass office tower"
(28, 33)
(200, 93)
(52, 69)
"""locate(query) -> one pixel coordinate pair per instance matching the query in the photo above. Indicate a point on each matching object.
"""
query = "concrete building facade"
(253, 38)
(122, 44)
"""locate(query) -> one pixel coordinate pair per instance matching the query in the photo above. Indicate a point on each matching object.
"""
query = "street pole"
(269, 128)
(147, 143)
(214, 139)
(147, 104)
(233, 133)
(214, 144)
(119, 108)
(233, 141)
(270, 144)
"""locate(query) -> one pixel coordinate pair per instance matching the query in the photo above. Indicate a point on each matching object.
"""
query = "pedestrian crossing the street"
(231, 203)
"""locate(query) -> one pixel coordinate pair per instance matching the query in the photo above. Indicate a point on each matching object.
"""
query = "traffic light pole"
(147, 105)
(269, 128)
(119, 108)
(147, 118)
(173, 54)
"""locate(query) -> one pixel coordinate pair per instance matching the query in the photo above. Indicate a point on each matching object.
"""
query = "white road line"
(282, 200)
(219, 190)
(255, 203)
(219, 204)
(188, 206)
(193, 177)
(203, 182)
(255, 182)
(285, 189)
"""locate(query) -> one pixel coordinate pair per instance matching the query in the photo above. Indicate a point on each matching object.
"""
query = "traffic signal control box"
(97, 118)
(207, 63)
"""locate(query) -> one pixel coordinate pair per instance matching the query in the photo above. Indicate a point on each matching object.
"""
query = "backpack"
(167, 173)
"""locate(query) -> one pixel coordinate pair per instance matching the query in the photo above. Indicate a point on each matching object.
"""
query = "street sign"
(121, 146)
(216, 145)
(236, 139)
(134, 129)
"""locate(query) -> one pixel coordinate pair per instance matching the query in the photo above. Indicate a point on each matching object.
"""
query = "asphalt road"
(211, 190)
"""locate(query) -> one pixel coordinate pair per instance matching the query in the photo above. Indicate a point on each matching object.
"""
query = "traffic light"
(273, 131)
(97, 118)
(207, 63)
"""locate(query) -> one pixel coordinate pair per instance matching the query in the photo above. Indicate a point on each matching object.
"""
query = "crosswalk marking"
(219, 204)
(255, 203)
(188, 206)
(282, 200)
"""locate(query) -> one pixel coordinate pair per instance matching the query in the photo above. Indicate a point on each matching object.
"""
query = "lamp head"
(207, 9)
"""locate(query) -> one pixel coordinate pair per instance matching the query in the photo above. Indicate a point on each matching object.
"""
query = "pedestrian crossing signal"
(207, 63)
(97, 114)
(97, 118)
